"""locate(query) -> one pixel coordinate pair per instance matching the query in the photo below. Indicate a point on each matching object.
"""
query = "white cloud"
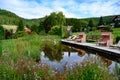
(26, 9)
(100, 8)
(70, 8)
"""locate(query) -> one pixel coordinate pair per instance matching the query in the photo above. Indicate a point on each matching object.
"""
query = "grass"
(28, 46)
(116, 33)
(18, 62)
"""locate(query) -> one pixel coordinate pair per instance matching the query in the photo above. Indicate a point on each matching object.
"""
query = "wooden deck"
(96, 48)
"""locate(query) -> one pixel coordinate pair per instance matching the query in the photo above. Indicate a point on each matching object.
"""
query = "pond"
(70, 56)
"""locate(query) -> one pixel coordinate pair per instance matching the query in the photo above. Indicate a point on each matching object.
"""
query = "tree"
(52, 20)
(34, 28)
(117, 25)
(1, 36)
(41, 26)
(60, 19)
(1, 32)
(101, 22)
(76, 26)
(20, 26)
(55, 30)
(90, 25)
(46, 24)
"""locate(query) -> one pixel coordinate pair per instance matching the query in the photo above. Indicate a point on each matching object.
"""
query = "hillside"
(107, 19)
(9, 18)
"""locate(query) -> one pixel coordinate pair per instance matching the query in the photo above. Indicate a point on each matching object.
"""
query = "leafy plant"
(55, 30)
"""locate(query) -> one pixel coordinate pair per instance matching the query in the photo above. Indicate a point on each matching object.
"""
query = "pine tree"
(90, 25)
(34, 28)
(101, 22)
(1, 32)
(117, 25)
(20, 26)
(40, 27)
(1, 36)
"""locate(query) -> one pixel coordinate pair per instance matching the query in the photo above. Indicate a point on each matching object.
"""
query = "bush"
(109, 28)
(55, 30)
(117, 39)
(94, 36)
(20, 34)
(42, 32)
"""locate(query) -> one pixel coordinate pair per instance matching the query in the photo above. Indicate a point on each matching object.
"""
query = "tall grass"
(26, 69)
(91, 69)
(19, 55)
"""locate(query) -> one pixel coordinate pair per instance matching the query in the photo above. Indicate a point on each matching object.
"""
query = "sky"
(30, 9)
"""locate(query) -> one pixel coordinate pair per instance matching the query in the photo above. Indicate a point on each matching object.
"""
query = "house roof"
(114, 18)
(102, 26)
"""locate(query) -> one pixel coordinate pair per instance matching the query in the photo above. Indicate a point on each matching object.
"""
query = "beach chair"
(81, 38)
(116, 45)
(107, 39)
(72, 38)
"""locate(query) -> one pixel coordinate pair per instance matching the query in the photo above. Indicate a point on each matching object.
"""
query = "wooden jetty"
(93, 47)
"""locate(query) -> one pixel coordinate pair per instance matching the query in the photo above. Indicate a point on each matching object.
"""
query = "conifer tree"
(1, 36)
(20, 26)
(101, 22)
(90, 24)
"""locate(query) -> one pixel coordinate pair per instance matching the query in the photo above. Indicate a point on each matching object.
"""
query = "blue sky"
(71, 8)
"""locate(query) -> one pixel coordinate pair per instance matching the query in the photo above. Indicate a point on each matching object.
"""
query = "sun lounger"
(72, 38)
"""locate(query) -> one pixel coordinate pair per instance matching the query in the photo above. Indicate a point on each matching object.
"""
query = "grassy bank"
(29, 45)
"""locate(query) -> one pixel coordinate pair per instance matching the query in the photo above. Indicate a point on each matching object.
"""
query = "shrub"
(42, 32)
(94, 36)
(20, 34)
(55, 30)
(117, 39)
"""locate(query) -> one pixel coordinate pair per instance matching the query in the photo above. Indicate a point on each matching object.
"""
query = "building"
(114, 19)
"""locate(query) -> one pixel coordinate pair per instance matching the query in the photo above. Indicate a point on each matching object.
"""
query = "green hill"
(9, 18)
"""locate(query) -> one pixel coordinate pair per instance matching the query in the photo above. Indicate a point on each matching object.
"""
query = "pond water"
(71, 56)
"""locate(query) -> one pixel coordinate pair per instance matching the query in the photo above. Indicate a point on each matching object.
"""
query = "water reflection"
(68, 56)
(53, 53)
